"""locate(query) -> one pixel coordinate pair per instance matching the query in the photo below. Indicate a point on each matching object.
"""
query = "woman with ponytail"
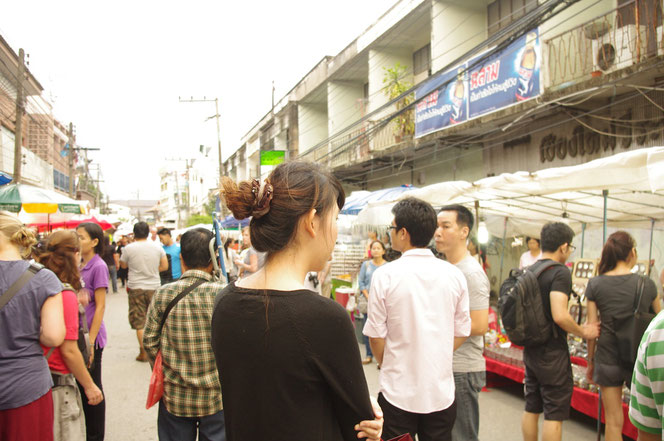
(61, 254)
(32, 316)
(613, 294)
(288, 360)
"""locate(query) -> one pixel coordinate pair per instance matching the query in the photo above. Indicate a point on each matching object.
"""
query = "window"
(500, 13)
(422, 60)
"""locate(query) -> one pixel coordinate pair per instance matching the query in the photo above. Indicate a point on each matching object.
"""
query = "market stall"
(624, 191)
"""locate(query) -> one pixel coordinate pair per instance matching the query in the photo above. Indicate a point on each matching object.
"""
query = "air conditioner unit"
(617, 49)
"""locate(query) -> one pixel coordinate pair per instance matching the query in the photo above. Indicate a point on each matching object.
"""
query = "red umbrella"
(71, 224)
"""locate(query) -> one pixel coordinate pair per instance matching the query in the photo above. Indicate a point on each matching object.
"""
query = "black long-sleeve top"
(289, 366)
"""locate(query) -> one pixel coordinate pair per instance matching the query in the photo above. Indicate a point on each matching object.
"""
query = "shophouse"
(490, 87)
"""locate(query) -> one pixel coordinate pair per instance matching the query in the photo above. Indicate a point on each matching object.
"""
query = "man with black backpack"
(548, 381)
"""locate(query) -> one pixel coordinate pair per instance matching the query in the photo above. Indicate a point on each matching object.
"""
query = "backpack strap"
(29, 273)
(545, 266)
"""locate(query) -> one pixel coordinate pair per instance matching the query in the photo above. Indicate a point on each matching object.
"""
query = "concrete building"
(185, 188)
(599, 67)
(44, 137)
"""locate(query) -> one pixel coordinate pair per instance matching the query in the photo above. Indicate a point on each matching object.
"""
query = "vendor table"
(582, 400)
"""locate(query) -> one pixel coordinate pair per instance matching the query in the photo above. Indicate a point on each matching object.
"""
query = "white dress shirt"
(418, 304)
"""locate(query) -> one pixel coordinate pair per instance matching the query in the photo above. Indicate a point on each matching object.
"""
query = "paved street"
(126, 385)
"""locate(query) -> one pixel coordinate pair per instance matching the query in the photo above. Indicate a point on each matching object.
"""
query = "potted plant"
(396, 85)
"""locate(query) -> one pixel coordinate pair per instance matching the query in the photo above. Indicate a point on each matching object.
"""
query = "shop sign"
(480, 86)
(587, 142)
(273, 157)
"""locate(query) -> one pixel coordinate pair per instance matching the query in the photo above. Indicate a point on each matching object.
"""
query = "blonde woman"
(32, 316)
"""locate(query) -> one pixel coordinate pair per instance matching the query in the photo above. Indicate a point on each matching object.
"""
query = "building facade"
(578, 81)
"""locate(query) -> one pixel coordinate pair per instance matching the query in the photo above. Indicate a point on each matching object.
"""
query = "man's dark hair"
(141, 230)
(195, 248)
(555, 234)
(164, 230)
(464, 217)
(418, 218)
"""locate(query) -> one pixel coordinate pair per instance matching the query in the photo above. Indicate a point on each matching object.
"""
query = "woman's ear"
(309, 222)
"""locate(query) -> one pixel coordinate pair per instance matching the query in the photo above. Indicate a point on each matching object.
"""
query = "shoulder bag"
(29, 273)
(629, 328)
(156, 389)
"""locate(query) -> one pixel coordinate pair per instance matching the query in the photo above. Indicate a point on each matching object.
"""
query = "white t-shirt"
(142, 258)
(418, 304)
(527, 259)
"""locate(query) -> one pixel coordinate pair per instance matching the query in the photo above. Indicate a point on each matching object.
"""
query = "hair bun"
(25, 239)
(238, 198)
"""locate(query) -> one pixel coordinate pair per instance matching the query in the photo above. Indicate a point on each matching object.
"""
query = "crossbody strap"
(20, 283)
(640, 285)
(177, 299)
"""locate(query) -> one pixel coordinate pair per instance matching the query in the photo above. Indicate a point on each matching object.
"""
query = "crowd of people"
(259, 356)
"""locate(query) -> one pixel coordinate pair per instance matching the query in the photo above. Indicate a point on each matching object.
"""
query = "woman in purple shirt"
(95, 277)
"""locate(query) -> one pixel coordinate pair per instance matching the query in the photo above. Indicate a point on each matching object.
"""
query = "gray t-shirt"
(143, 258)
(24, 374)
(469, 358)
(247, 259)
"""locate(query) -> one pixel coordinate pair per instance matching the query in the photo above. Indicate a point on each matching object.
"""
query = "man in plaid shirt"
(192, 392)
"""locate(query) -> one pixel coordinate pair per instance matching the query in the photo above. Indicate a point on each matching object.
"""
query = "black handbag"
(629, 328)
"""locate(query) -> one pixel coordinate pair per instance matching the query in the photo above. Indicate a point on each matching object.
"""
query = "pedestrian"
(110, 257)
(191, 403)
(172, 251)
(122, 272)
(455, 222)
(613, 293)
(377, 251)
(372, 236)
(533, 254)
(94, 273)
(154, 237)
(231, 256)
(61, 255)
(548, 382)
(288, 359)
(32, 316)
(418, 316)
(253, 260)
(144, 262)
(646, 405)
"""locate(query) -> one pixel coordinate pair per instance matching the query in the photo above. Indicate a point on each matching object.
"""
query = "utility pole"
(70, 154)
(216, 107)
(18, 130)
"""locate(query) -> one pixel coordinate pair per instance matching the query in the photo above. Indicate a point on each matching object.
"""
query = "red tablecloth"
(582, 400)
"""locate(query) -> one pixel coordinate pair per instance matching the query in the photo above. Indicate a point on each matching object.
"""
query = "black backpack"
(521, 307)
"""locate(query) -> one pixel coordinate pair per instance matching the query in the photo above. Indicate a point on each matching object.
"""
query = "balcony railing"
(619, 39)
(357, 145)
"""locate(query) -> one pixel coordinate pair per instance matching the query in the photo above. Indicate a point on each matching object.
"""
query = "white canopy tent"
(631, 183)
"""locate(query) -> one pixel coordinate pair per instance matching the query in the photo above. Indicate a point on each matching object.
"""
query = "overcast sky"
(116, 70)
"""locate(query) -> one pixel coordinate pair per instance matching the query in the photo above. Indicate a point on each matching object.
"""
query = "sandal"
(367, 360)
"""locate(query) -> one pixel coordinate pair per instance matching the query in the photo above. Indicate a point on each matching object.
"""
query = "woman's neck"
(10, 252)
(378, 260)
(87, 257)
(535, 253)
(283, 271)
(621, 269)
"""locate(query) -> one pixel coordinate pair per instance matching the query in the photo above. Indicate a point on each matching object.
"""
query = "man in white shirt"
(417, 316)
(144, 261)
(454, 225)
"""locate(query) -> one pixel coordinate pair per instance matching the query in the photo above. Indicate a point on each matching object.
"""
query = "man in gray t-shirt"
(144, 261)
(454, 225)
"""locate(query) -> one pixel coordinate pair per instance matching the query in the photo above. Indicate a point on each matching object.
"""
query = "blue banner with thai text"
(480, 86)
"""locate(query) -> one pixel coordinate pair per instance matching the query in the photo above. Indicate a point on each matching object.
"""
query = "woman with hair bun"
(288, 359)
(61, 254)
(612, 294)
(32, 316)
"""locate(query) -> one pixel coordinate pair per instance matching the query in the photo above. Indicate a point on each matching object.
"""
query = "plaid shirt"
(191, 381)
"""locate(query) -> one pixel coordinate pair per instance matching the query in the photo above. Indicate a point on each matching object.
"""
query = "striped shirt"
(191, 381)
(646, 408)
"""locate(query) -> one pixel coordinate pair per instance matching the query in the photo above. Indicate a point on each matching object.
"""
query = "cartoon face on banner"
(444, 106)
(508, 77)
